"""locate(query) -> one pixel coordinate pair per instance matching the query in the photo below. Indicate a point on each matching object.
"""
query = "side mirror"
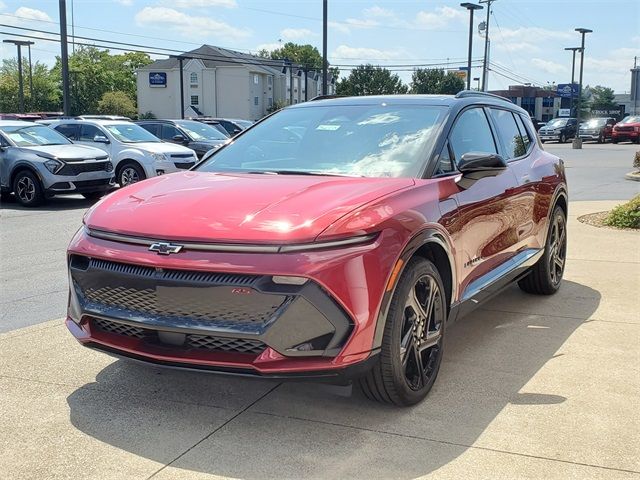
(101, 139)
(179, 138)
(481, 162)
(236, 131)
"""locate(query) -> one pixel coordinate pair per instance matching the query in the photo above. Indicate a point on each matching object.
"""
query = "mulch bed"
(597, 220)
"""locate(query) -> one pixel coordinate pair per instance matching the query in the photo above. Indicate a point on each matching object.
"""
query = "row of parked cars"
(90, 155)
(597, 129)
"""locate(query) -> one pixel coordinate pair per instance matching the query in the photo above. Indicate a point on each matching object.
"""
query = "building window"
(547, 101)
(194, 79)
(529, 104)
(195, 100)
(514, 100)
(270, 102)
(256, 79)
(256, 101)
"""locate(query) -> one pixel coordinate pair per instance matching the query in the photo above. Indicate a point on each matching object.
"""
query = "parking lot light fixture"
(577, 141)
(471, 7)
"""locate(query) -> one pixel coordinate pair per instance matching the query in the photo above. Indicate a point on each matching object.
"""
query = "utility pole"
(31, 96)
(64, 58)
(19, 44)
(325, 65)
(485, 62)
(577, 141)
(181, 88)
(573, 70)
(471, 7)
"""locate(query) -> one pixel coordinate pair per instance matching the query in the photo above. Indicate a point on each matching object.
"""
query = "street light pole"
(477, 79)
(471, 7)
(577, 141)
(573, 70)
(64, 58)
(19, 44)
(485, 62)
(325, 65)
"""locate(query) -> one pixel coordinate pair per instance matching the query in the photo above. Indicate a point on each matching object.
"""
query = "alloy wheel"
(421, 334)
(128, 176)
(557, 249)
(26, 189)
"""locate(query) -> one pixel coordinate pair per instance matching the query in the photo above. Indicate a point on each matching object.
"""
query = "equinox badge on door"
(163, 248)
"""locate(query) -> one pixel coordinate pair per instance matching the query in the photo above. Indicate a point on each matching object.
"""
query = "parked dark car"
(559, 130)
(340, 252)
(598, 129)
(198, 136)
(627, 130)
(233, 126)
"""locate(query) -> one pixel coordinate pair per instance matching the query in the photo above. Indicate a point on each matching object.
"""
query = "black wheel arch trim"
(423, 237)
(24, 165)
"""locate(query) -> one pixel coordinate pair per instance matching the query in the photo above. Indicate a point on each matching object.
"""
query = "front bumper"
(549, 137)
(74, 185)
(177, 311)
(626, 136)
(590, 135)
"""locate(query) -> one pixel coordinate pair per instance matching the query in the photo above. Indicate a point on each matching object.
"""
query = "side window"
(445, 165)
(508, 133)
(152, 128)
(471, 133)
(88, 133)
(525, 132)
(168, 132)
(3, 142)
(228, 126)
(68, 131)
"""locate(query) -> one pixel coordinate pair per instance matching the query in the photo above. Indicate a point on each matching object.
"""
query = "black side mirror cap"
(481, 162)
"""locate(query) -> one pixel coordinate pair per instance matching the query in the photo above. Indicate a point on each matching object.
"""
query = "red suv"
(335, 239)
(627, 130)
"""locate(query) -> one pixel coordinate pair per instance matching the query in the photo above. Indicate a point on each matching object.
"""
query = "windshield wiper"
(304, 172)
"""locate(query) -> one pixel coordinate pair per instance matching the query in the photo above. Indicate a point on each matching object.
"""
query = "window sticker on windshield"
(330, 128)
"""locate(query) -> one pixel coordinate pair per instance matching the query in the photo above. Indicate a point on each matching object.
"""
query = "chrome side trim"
(525, 258)
(231, 247)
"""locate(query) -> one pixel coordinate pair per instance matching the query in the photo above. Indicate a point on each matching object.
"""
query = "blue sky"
(527, 36)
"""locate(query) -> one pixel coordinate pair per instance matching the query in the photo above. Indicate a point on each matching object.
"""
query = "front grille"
(181, 155)
(624, 129)
(191, 341)
(184, 165)
(77, 168)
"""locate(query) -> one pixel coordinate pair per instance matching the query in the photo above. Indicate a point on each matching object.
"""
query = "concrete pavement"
(531, 387)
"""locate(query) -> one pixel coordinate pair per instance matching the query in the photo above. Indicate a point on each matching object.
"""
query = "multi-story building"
(219, 82)
(542, 104)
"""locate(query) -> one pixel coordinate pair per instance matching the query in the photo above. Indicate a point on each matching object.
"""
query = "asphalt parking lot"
(529, 388)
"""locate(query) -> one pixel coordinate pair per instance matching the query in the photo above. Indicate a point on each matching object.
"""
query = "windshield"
(360, 140)
(131, 133)
(594, 122)
(34, 136)
(631, 120)
(557, 122)
(243, 123)
(201, 131)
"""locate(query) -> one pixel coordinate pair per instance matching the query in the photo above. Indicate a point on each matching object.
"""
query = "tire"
(130, 173)
(614, 140)
(93, 195)
(400, 376)
(563, 138)
(27, 189)
(546, 275)
(601, 138)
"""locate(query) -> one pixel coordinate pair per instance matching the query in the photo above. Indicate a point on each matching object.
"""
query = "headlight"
(53, 166)
(159, 157)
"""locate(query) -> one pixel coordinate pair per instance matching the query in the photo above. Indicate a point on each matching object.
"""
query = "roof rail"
(324, 97)
(475, 93)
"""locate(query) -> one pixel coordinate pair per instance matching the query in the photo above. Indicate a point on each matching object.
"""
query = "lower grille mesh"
(201, 342)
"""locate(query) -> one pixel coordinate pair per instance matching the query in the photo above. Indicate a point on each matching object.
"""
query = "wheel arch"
(433, 245)
(127, 161)
(20, 167)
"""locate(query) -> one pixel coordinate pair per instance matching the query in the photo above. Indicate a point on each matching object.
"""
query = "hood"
(160, 147)
(207, 144)
(68, 151)
(242, 208)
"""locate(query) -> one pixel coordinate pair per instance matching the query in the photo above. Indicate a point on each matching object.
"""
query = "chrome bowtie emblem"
(163, 248)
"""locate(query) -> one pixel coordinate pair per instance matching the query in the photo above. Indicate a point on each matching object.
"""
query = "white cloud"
(548, 66)
(26, 13)
(340, 27)
(126, 3)
(376, 11)
(296, 33)
(439, 18)
(362, 22)
(268, 46)
(516, 47)
(187, 25)
(363, 53)
(200, 3)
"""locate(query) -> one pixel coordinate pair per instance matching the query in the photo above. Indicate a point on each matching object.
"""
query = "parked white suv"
(136, 154)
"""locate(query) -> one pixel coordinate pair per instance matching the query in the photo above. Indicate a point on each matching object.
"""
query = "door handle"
(525, 179)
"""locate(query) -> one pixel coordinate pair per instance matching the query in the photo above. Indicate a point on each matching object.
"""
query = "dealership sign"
(564, 112)
(568, 90)
(612, 112)
(157, 79)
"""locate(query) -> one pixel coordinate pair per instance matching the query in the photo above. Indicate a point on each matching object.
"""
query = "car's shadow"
(302, 430)
(63, 202)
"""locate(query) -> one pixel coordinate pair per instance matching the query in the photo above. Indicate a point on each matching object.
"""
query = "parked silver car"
(37, 162)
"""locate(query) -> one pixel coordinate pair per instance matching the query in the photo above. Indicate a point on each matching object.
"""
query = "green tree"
(603, 98)
(435, 81)
(370, 80)
(116, 103)
(94, 72)
(305, 55)
(45, 96)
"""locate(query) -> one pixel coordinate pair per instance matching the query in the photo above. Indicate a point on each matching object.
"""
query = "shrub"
(626, 215)
(147, 116)
(636, 161)
(116, 103)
